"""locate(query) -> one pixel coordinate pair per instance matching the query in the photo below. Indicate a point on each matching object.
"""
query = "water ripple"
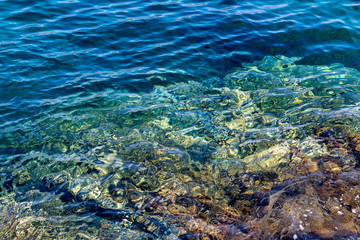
(59, 59)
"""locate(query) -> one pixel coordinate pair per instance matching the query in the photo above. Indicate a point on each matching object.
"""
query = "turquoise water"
(179, 120)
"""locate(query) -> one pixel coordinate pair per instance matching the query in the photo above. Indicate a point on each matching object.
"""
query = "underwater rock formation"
(272, 151)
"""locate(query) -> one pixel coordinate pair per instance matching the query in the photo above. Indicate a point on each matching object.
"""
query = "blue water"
(69, 69)
(53, 49)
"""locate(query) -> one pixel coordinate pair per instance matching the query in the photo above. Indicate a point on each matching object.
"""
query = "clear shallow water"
(134, 120)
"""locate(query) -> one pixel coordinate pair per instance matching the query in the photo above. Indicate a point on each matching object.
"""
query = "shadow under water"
(269, 152)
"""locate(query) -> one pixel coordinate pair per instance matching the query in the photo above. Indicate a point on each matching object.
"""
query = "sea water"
(179, 120)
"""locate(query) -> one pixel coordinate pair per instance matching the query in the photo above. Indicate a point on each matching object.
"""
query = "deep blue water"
(53, 49)
(91, 91)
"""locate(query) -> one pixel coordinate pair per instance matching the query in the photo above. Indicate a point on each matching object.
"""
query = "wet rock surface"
(271, 152)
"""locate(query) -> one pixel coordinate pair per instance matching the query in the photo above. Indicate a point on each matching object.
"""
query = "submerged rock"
(313, 206)
(232, 159)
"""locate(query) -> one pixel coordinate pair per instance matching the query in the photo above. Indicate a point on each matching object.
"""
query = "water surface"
(179, 119)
